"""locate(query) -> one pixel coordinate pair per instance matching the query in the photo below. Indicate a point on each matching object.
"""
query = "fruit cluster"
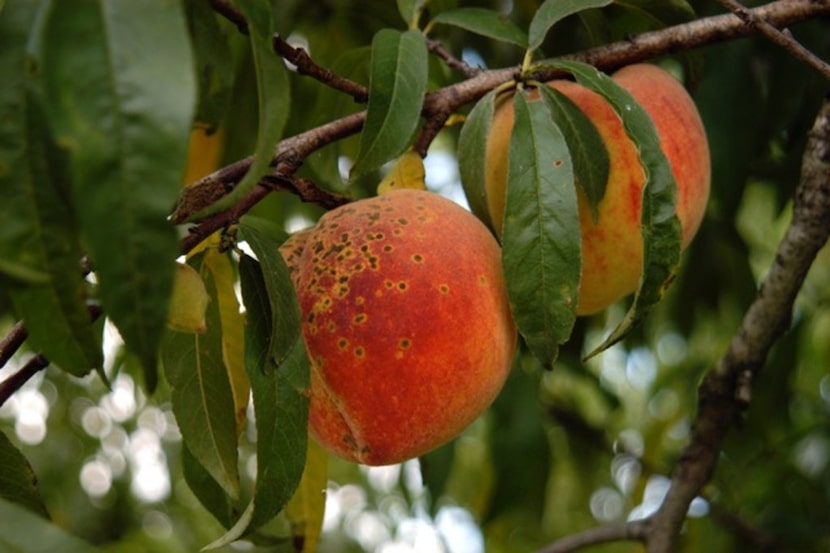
(405, 313)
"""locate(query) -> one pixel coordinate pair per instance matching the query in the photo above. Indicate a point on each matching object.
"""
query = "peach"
(612, 251)
(406, 322)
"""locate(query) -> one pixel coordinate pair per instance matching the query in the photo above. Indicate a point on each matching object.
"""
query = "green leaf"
(202, 399)
(659, 224)
(55, 312)
(553, 11)
(472, 148)
(484, 22)
(21, 531)
(396, 93)
(18, 482)
(541, 240)
(17, 259)
(588, 151)
(273, 101)
(120, 89)
(409, 10)
(284, 324)
(213, 63)
(280, 395)
(209, 493)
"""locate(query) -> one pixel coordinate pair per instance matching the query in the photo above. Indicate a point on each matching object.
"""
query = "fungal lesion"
(342, 343)
(444, 288)
(359, 352)
(360, 318)
(418, 258)
(404, 343)
(403, 285)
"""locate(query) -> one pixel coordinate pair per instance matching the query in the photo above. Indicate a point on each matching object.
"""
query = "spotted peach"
(406, 322)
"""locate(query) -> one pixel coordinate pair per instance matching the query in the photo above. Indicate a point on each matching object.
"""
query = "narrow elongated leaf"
(22, 531)
(273, 100)
(18, 482)
(588, 151)
(233, 329)
(55, 313)
(17, 259)
(396, 93)
(209, 493)
(213, 63)
(280, 399)
(202, 399)
(553, 11)
(120, 89)
(472, 148)
(284, 311)
(659, 224)
(541, 240)
(482, 22)
(306, 508)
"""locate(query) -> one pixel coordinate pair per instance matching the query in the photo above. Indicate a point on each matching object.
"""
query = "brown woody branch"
(726, 389)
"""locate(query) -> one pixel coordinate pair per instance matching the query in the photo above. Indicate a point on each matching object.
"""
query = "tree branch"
(781, 38)
(726, 389)
(630, 531)
(439, 103)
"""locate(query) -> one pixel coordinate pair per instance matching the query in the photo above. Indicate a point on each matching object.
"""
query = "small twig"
(306, 190)
(306, 66)
(297, 56)
(779, 37)
(16, 381)
(636, 530)
(12, 341)
(226, 10)
(452, 62)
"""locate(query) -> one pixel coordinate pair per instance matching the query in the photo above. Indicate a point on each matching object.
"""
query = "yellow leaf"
(306, 507)
(408, 172)
(188, 301)
(233, 329)
(203, 153)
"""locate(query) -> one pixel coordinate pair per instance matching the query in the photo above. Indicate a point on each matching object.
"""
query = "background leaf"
(409, 9)
(273, 100)
(660, 226)
(21, 531)
(472, 148)
(212, 61)
(18, 482)
(17, 259)
(55, 312)
(484, 22)
(553, 11)
(588, 151)
(202, 398)
(119, 84)
(541, 240)
(396, 93)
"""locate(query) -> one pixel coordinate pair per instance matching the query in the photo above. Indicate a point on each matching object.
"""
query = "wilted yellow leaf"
(408, 172)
